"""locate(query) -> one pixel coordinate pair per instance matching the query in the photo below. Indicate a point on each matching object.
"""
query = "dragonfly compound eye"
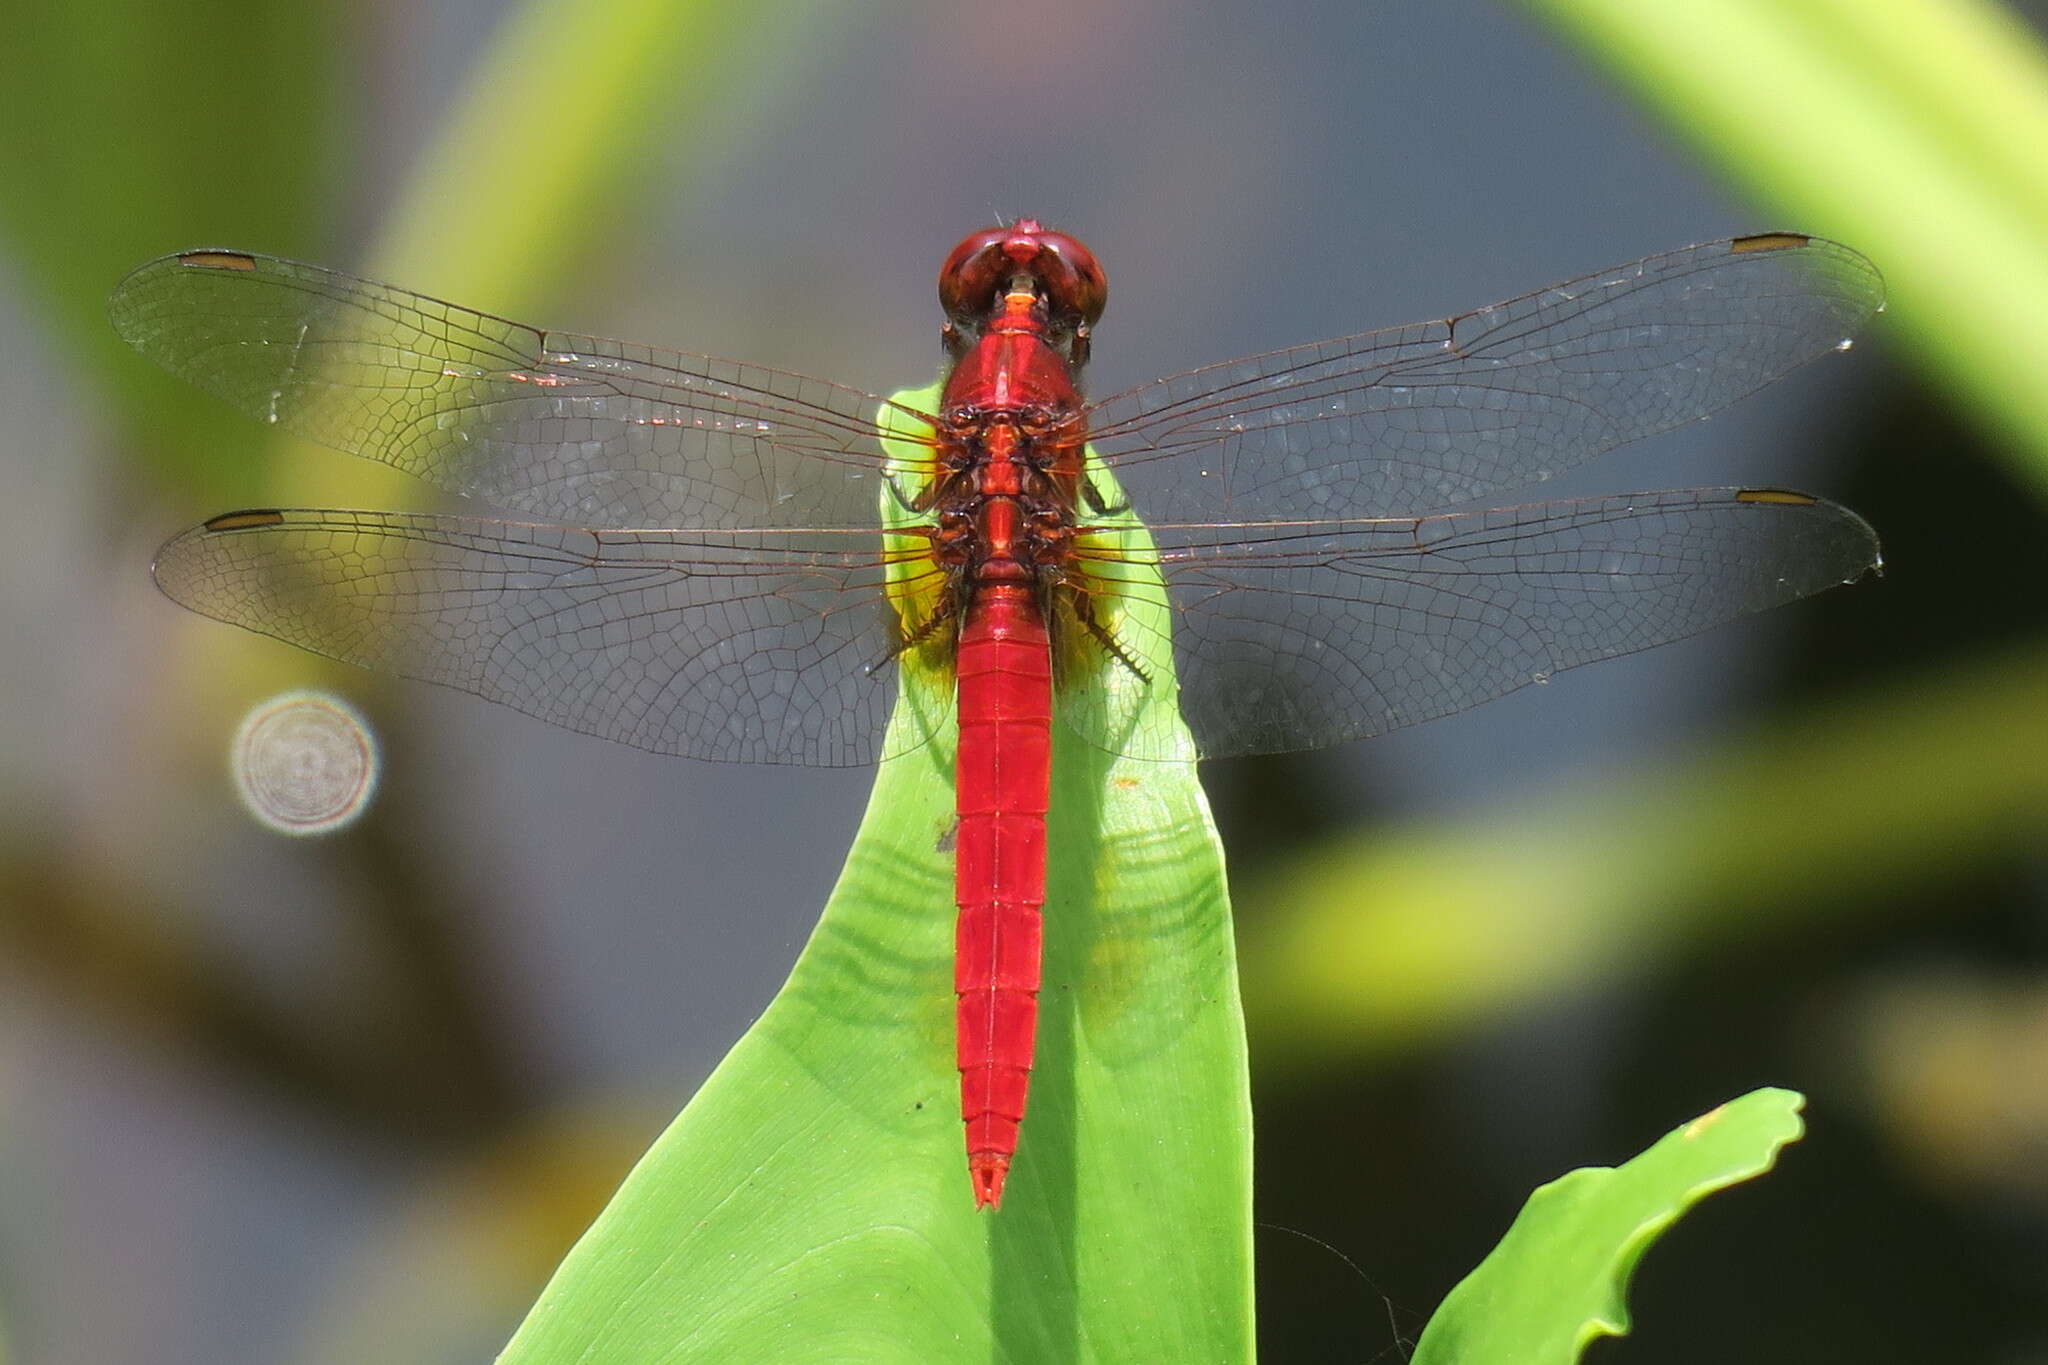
(982, 266)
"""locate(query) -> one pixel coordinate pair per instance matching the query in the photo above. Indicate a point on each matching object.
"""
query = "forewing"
(1296, 636)
(1435, 414)
(556, 425)
(753, 646)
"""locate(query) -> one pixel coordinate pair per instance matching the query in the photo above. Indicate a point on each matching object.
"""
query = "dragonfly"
(714, 559)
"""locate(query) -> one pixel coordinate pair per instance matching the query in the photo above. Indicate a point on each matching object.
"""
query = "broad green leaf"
(1559, 1279)
(811, 1203)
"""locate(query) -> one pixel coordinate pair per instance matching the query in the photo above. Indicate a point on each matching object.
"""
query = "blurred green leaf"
(812, 1202)
(569, 119)
(1911, 130)
(459, 1253)
(137, 128)
(573, 118)
(1559, 1279)
(577, 113)
(1367, 943)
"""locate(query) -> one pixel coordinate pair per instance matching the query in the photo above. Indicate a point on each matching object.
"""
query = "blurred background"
(350, 1098)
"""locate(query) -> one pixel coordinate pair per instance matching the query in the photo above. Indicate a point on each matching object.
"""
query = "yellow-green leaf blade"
(812, 1203)
(1559, 1279)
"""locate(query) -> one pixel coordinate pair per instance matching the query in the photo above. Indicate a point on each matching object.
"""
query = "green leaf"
(812, 1204)
(1367, 944)
(574, 115)
(1560, 1277)
(1911, 130)
(137, 128)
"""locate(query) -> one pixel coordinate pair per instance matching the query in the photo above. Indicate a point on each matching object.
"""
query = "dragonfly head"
(1064, 276)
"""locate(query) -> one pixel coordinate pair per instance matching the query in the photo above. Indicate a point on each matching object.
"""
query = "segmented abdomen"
(1004, 668)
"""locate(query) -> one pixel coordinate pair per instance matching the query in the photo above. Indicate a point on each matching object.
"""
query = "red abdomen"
(1004, 667)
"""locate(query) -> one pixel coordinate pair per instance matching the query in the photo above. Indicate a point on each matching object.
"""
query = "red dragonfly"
(728, 565)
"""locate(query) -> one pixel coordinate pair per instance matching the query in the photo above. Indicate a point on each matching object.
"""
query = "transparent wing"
(1436, 414)
(753, 646)
(548, 423)
(1296, 636)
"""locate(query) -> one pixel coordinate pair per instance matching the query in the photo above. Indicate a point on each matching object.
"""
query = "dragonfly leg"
(1084, 612)
(944, 612)
(1101, 505)
(919, 501)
